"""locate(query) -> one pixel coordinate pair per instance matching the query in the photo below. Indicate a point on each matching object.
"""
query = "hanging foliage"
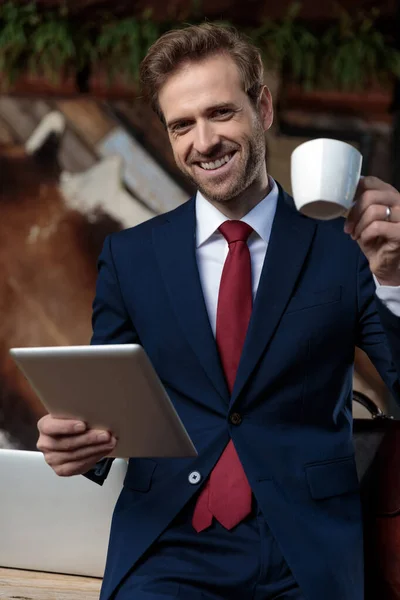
(350, 53)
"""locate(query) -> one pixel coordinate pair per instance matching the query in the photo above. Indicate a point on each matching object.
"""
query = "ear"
(47, 132)
(266, 108)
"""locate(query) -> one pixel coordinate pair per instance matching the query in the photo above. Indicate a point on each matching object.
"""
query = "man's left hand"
(374, 222)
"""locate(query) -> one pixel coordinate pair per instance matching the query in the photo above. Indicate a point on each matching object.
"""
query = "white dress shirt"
(212, 247)
(212, 250)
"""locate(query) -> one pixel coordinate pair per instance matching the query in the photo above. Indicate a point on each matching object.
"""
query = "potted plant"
(349, 69)
(50, 51)
(37, 50)
(120, 47)
(288, 46)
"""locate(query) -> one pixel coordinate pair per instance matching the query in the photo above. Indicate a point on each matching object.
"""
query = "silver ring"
(388, 213)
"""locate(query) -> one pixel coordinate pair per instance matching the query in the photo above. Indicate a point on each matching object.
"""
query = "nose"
(206, 138)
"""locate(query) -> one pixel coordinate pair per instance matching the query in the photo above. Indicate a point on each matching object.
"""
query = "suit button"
(194, 477)
(235, 418)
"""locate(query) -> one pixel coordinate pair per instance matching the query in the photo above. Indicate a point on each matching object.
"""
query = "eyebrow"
(208, 110)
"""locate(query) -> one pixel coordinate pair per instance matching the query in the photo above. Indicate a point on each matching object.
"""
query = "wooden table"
(32, 585)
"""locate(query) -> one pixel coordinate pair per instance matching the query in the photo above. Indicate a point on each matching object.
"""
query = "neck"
(239, 206)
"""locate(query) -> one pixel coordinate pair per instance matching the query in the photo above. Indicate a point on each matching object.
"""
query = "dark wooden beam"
(245, 13)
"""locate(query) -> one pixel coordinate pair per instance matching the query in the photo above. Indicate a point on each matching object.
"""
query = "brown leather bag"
(377, 445)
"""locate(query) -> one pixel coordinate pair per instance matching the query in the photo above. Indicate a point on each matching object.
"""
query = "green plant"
(16, 22)
(289, 45)
(45, 43)
(121, 45)
(350, 53)
(52, 46)
(355, 53)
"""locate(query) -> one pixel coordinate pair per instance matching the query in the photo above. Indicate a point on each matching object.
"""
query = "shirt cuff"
(389, 296)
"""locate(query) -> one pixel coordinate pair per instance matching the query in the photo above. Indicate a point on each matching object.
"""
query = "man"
(250, 313)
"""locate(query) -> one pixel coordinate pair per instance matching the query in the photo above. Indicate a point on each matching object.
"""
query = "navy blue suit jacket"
(315, 302)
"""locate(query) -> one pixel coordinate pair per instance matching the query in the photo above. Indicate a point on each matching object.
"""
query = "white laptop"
(54, 524)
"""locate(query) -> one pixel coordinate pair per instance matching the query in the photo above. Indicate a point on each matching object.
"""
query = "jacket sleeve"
(111, 325)
(378, 330)
(110, 320)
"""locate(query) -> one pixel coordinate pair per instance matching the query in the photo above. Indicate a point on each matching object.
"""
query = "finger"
(68, 443)
(50, 425)
(56, 459)
(367, 199)
(374, 183)
(379, 229)
(375, 212)
(79, 467)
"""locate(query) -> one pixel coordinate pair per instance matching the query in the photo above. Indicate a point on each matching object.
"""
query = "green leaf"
(347, 54)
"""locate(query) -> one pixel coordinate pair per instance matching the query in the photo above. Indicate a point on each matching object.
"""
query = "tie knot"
(235, 231)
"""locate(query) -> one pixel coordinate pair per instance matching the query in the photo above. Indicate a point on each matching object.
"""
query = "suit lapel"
(175, 247)
(290, 240)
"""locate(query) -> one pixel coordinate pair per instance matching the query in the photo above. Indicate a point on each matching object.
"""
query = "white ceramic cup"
(325, 174)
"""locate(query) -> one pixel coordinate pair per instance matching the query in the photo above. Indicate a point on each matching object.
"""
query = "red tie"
(227, 493)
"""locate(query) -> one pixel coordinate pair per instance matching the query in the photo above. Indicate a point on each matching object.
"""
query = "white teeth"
(216, 164)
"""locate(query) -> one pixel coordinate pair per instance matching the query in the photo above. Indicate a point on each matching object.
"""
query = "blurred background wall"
(82, 154)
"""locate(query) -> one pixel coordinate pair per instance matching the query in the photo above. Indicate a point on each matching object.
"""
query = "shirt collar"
(260, 218)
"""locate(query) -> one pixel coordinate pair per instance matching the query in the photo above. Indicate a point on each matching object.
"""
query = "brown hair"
(195, 43)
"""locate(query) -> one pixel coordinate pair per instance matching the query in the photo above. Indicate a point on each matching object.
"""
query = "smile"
(217, 164)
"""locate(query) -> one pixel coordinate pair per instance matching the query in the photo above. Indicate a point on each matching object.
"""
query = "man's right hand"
(70, 447)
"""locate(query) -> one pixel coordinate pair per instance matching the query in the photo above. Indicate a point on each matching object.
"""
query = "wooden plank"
(23, 116)
(6, 136)
(34, 585)
(142, 174)
(87, 117)
(21, 122)
(152, 135)
(99, 189)
(74, 154)
(39, 107)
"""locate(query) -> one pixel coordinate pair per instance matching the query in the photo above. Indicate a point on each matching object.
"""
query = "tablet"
(113, 387)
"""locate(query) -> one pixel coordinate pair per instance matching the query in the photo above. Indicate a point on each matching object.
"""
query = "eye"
(180, 126)
(222, 112)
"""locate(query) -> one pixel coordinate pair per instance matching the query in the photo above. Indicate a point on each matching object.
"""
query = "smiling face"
(216, 133)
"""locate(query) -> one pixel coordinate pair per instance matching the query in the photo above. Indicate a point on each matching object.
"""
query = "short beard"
(254, 163)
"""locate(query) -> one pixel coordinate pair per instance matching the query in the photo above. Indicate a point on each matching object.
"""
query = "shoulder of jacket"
(142, 232)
